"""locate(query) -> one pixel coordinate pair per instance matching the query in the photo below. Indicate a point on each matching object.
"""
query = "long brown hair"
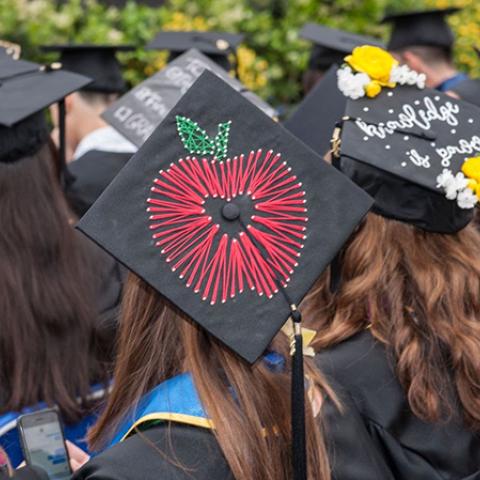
(47, 311)
(419, 293)
(157, 341)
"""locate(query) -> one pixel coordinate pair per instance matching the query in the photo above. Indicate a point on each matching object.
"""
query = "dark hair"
(98, 98)
(47, 309)
(429, 54)
(419, 293)
(157, 341)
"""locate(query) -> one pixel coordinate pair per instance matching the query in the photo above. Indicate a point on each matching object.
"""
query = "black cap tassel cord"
(299, 451)
(66, 178)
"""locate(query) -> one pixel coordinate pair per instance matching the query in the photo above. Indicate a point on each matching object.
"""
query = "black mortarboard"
(421, 28)
(216, 45)
(137, 113)
(231, 218)
(331, 45)
(99, 62)
(202, 231)
(397, 145)
(26, 88)
(314, 120)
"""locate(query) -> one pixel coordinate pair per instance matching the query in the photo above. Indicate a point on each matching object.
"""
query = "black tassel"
(66, 178)
(299, 453)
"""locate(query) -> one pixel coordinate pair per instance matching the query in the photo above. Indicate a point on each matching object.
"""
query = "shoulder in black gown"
(92, 173)
(163, 452)
(377, 432)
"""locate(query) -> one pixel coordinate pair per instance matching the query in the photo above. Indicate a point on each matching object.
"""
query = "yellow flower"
(375, 62)
(471, 168)
(373, 89)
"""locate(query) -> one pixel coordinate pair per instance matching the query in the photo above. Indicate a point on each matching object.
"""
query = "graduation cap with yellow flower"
(415, 150)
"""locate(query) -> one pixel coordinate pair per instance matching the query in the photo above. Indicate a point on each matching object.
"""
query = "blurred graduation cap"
(315, 118)
(230, 217)
(216, 45)
(331, 45)
(137, 113)
(99, 62)
(421, 28)
(405, 147)
(26, 88)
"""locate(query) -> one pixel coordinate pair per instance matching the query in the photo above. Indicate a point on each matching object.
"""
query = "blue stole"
(175, 400)
(452, 82)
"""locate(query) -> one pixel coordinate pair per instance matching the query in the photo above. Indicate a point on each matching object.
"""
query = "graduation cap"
(137, 113)
(26, 88)
(315, 118)
(407, 148)
(229, 216)
(331, 45)
(421, 28)
(98, 62)
(216, 45)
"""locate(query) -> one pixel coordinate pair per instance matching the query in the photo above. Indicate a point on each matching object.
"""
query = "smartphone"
(43, 443)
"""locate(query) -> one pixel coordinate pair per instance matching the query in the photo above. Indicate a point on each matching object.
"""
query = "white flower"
(456, 187)
(460, 181)
(404, 75)
(421, 80)
(467, 199)
(446, 181)
(350, 84)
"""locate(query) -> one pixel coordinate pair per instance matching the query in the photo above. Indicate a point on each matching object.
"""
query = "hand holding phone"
(43, 443)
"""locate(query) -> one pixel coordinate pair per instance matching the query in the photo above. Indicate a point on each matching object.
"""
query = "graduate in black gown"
(398, 319)
(221, 248)
(424, 41)
(95, 151)
(55, 336)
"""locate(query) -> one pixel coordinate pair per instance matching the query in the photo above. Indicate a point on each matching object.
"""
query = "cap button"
(230, 211)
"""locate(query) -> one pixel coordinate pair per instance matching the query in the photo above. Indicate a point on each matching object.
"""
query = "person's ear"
(70, 103)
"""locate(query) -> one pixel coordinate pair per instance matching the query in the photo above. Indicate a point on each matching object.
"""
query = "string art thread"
(217, 265)
(197, 142)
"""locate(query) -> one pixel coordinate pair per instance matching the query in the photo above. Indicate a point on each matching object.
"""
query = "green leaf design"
(196, 140)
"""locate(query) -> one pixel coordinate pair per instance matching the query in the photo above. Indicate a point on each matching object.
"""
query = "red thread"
(217, 265)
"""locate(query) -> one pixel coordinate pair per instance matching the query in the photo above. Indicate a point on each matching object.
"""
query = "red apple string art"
(216, 263)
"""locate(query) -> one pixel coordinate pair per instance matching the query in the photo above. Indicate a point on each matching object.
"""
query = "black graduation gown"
(157, 453)
(92, 173)
(469, 90)
(400, 445)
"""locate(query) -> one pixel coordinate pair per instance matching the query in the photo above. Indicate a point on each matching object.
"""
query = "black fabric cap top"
(26, 88)
(331, 45)
(235, 270)
(99, 62)
(315, 118)
(219, 43)
(422, 28)
(216, 45)
(396, 146)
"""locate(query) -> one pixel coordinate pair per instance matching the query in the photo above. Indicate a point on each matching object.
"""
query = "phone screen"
(46, 447)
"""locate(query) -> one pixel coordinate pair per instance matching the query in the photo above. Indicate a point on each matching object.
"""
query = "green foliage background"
(273, 59)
